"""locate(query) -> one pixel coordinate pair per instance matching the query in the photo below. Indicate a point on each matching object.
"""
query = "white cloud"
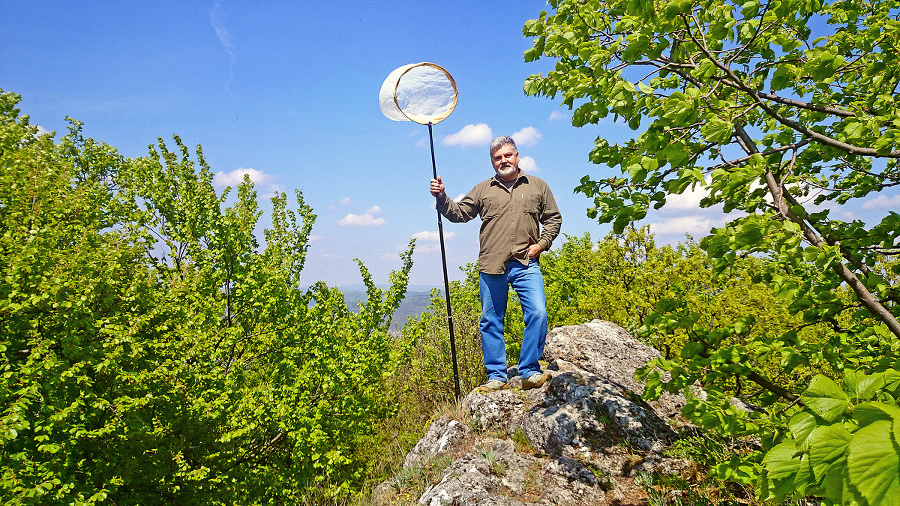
(470, 135)
(528, 136)
(367, 219)
(428, 240)
(845, 215)
(263, 181)
(694, 225)
(556, 115)
(361, 220)
(218, 24)
(527, 164)
(689, 199)
(431, 235)
(838, 211)
(235, 177)
(42, 131)
(428, 248)
(346, 201)
(882, 202)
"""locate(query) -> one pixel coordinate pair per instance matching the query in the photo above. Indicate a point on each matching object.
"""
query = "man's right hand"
(437, 187)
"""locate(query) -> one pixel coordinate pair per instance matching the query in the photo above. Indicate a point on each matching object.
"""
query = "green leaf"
(780, 78)
(781, 465)
(827, 447)
(873, 463)
(802, 425)
(675, 154)
(854, 129)
(892, 378)
(782, 460)
(804, 479)
(825, 398)
(820, 63)
(691, 350)
(870, 412)
(750, 9)
(717, 131)
(884, 145)
(863, 386)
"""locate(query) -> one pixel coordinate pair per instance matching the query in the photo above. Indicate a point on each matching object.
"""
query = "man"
(511, 205)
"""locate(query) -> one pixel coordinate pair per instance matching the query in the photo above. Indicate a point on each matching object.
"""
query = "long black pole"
(446, 279)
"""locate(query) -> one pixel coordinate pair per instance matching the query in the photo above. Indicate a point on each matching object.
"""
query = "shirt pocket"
(492, 206)
(531, 204)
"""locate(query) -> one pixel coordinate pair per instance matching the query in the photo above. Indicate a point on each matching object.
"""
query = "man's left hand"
(535, 251)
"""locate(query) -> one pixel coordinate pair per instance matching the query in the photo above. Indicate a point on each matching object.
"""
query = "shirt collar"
(522, 177)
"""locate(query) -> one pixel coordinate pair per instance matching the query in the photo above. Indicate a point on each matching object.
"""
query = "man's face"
(506, 162)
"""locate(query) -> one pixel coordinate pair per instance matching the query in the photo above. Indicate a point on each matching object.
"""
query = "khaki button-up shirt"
(509, 219)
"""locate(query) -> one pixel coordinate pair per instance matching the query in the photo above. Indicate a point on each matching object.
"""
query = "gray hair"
(501, 141)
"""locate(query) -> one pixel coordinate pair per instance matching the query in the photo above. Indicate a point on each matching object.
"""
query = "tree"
(781, 110)
(619, 278)
(151, 351)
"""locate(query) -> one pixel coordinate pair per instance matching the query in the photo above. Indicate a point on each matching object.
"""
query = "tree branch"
(772, 387)
(872, 304)
(803, 105)
(735, 163)
(736, 83)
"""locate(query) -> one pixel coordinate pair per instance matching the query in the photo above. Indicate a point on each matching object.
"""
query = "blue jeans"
(529, 286)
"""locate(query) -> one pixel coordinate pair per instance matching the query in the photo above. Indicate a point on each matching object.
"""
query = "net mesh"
(421, 92)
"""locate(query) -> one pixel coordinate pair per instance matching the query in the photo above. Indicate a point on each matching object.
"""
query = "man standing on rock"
(512, 205)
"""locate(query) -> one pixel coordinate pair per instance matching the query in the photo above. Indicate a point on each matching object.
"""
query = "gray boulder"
(440, 436)
(579, 439)
(608, 351)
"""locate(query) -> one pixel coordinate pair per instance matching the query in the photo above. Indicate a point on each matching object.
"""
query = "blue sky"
(288, 92)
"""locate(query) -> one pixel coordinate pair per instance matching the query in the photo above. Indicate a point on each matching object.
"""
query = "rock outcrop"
(579, 439)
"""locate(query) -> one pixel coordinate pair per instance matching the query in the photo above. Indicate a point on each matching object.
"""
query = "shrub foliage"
(151, 351)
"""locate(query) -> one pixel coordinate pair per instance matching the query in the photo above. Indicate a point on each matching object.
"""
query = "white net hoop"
(421, 92)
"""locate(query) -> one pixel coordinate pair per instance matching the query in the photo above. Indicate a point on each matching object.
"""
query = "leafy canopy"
(782, 111)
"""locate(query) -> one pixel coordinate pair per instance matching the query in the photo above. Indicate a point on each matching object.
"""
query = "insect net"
(421, 92)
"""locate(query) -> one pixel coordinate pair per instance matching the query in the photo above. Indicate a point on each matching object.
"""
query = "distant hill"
(416, 301)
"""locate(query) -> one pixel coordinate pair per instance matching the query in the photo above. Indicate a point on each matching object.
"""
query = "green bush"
(151, 351)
